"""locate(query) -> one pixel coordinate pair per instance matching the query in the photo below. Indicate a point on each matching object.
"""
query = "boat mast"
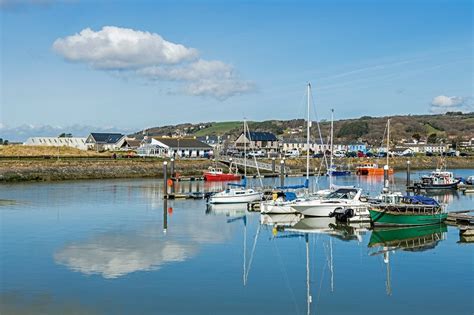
(332, 148)
(245, 148)
(308, 126)
(388, 138)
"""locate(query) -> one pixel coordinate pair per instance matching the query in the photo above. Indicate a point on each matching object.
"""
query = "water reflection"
(410, 239)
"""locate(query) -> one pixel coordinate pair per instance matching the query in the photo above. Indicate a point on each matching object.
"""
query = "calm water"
(114, 247)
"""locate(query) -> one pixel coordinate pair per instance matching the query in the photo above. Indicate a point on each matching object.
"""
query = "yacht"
(236, 195)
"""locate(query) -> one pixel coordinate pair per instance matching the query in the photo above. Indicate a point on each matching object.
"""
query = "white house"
(174, 147)
(73, 142)
(428, 147)
(102, 141)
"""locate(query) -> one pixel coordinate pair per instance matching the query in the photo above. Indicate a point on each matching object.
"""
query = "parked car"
(360, 154)
(463, 154)
(351, 154)
(292, 153)
(258, 153)
(339, 154)
(369, 154)
(429, 153)
(318, 155)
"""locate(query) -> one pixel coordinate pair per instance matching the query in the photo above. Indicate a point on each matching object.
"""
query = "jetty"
(252, 163)
(462, 218)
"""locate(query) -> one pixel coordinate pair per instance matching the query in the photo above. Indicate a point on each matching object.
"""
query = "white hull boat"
(236, 196)
(341, 200)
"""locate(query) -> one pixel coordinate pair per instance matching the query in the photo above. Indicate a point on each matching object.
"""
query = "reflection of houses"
(105, 141)
(169, 147)
(257, 140)
(73, 142)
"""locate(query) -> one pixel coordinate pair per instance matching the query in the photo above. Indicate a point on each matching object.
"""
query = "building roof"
(106, 138)
(183, 143)
(133, 143)
(261, 136)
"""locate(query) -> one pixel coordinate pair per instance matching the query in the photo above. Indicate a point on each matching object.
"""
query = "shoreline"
(39, 169)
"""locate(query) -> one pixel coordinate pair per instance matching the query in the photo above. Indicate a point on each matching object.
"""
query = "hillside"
(448, 127)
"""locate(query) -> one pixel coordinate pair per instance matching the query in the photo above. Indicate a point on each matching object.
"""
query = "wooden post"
(165, 215)
(282, 173)
(408, 173)
(173, 175)
(165, 179)
(273, 166)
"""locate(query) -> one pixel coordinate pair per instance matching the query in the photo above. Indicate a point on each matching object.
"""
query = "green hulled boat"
(406, 211)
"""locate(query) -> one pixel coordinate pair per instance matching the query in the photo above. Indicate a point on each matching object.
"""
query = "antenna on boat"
(332, 148)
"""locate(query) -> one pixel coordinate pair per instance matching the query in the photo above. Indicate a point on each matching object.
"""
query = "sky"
(129, 65)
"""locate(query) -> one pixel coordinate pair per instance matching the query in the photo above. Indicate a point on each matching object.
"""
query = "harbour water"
(115, 247)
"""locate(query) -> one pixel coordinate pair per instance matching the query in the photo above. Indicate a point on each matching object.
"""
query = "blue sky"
(238, 59)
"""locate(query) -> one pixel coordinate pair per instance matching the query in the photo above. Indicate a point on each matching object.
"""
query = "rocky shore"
(64, 168)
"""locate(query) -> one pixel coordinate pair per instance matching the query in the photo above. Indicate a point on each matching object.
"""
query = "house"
(356, 147)
(257, 140)
(73, 142)
(174, 147)
(427, 147)
(102, 141)
(130, 144)
(301, 146)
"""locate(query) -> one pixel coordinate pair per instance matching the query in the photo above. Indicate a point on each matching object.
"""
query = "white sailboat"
(238, 193)
(282, 204)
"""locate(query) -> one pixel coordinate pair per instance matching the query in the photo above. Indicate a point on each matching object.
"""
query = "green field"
(219, 128)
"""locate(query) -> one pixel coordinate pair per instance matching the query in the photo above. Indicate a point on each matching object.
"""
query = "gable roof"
(106, 138)
(183, 143)
(261, 136)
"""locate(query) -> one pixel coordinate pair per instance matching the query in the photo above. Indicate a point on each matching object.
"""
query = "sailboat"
(237, 192)
(333, 170)
(282, 202)
(374, 168)
(395, 209)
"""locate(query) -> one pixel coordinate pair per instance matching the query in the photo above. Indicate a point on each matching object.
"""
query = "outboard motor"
(208, 195)
(341, 214)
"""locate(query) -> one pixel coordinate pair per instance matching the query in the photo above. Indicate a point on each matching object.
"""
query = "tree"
(354, 130)
(432, 138)
(416, 136)
(1, 141)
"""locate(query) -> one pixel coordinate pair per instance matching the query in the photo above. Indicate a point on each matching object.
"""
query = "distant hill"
(447, 127)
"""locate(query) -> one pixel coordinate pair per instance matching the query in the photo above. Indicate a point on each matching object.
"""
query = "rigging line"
(286, 278)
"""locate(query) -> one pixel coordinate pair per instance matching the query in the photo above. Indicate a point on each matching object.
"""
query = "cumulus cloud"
(149, 56)
(443, 103)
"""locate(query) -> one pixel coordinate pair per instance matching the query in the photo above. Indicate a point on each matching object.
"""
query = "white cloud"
(121, 48)
(443, 103)
(149, 56)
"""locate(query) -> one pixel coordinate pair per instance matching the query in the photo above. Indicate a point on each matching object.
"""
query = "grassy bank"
(14, 169)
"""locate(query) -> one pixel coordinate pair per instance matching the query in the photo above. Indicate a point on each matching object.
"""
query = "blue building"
(357, 146)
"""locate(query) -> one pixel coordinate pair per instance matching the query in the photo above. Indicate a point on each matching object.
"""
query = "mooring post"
(282, 173)
(172, 176)
(408, 173)
(273, 166)
(165, 215)
(385, 178)
(165, 179)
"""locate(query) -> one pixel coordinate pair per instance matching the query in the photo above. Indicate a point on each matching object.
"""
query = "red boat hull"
(220, 177)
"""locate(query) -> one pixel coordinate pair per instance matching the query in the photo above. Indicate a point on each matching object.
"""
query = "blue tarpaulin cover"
(421, 199)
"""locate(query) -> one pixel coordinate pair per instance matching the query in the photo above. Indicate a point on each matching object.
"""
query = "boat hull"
(236, 198)
(339, 173)
(373, 171)
(438, 186)
(387, 218)
(270, 208)
(220, 177)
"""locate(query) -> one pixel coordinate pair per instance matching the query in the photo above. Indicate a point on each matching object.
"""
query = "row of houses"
(204, 147)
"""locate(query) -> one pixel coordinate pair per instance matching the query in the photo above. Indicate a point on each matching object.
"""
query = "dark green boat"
(397, 210)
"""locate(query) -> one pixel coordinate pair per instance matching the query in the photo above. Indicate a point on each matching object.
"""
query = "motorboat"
(216, 174)
(371, 169)
(438, 179)
(341, 201)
